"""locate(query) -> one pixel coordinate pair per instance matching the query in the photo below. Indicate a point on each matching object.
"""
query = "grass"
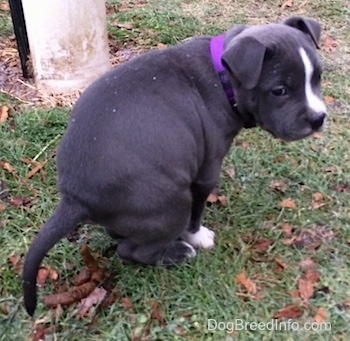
(206, 288)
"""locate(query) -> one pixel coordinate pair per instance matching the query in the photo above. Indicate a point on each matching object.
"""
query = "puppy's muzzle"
(316, 122)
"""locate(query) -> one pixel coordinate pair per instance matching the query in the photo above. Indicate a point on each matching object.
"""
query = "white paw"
(191, 251)
(203, 238)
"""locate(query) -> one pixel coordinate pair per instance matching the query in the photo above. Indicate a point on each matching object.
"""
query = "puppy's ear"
(244, 58)
(308, 26)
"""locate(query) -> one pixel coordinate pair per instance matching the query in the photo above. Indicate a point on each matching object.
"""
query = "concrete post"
(68, 42)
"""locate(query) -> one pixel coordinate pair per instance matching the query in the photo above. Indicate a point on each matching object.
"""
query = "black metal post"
(20, 29)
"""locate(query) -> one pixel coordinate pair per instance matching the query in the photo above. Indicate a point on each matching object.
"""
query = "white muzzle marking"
(314, 101)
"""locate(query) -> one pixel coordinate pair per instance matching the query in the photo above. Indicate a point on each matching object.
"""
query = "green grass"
(205, 288)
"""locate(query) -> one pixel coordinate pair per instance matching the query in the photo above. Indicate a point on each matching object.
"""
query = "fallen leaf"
(231, 172)
(2, 206)
(261, 246)
(16, 264)
(341, 188)
(215, 198)
(42, 275)
(307, 263)
(20, 201)
(39, 332)
(281, 264)
(126, 303)
(328, 99)
(317, 135)
(287, 229)
(331, 169)
(212, 198)
(312, 275)
(7, 167)
(4, 114)
(287, 3)
(95, 298)
(4, 7)
(306, 289)
(287, 203)
(290, 311)
(278, 186)
(294, 294)
(222, 200)
(247, 283)
(317, 200)
(35, 170)
(161, 46)
(157, 313)
(321, 315)
(329, 44)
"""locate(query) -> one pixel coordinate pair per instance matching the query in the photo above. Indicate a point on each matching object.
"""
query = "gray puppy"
(145, 142)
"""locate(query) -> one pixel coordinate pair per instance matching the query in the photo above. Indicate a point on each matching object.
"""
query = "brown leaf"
(39, 332)
(212, 198)
(7, 167)
(307, 263)
(321, 315)
(2, 206)
(329, 44)
(281, 263)
(278, 186)
(328, 99)
(287, 229)
(126, 303)
(4, 6)
(287, 3)
(216, 198)
(231, 172)
(156, 312)
(161, 46)
(294, 294)
(317, 200)
(95, 298)
(15, 263)
(287, 203)
(306, 289)
(312, 275)
(53, 274)
(4, 114)
(35, 170)
(42, 275)
(20, 200)
(261, 246)
(290, 311)
(247, 283)
(222, 200)
(317, 135)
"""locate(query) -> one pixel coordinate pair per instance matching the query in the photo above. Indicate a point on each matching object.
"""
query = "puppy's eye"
(279, 91)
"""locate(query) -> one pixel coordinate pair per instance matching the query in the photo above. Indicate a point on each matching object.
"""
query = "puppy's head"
(276, 76)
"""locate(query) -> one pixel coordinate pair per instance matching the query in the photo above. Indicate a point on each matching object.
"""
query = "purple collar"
(216, 49)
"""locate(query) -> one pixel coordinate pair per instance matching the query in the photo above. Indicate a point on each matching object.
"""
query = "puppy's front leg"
(198, 235)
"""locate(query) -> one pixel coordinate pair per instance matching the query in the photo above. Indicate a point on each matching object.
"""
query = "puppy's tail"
(65, 218)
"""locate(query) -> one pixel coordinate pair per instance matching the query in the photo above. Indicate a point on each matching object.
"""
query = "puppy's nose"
(317, 121)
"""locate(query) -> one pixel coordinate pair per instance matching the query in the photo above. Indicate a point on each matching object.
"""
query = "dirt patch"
(25, 91)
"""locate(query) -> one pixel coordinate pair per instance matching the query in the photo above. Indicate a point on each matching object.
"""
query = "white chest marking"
(314, 101)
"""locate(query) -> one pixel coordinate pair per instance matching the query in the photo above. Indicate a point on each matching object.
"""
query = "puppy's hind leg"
(174, 252)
